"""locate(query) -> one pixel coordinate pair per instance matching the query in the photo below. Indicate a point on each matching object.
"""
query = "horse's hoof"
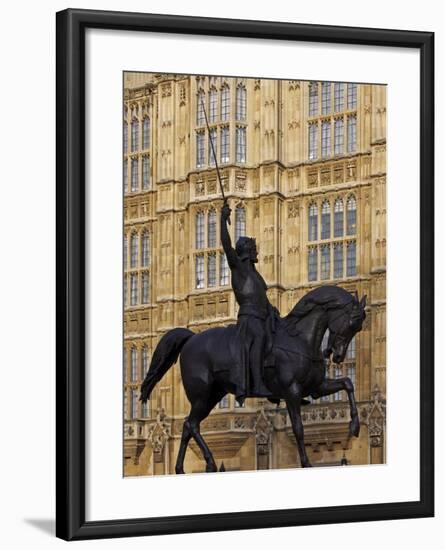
(306, 465)
(210, 469)
(354, 428)
(179, 470)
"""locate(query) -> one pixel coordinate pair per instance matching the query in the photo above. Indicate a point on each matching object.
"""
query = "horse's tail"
(166, 354)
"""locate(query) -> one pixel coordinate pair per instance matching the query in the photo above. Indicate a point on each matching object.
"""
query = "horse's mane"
(328, 296)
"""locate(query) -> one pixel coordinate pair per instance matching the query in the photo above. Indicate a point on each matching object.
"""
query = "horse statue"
(298, 369)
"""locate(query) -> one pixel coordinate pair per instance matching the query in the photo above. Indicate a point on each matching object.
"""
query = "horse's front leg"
(293, 398)
(333, 385)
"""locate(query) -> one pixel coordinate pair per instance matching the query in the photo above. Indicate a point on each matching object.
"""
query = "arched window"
(313, 141)
(325, 220)
(351, 216)
(325, 98)
(134, 135)
(240, 222)
(338, 218)
(134, 365)
(134, 175)
(213, 107)
(211, 270)
(351, 259)
(352, 96)
(211, 229)
(200, 151)
(125, 137)
(145, 249)
(125, 251)
(145, 290)
(213, 151)
(223, 270)
(134, 250)
(146, 133)
(145, 173)
(313, 222)
(325, 262)
(225, 102)
(338, 96)
(144, 362)
(352, 133)
(313, 98)
(125, 176)
(199, 271)
(200, 117)
(338, 260)
(134, 289)
(312, 266)
(241, 102)
(240, 144)
(134, 403)
(225, 145)
(200, 230)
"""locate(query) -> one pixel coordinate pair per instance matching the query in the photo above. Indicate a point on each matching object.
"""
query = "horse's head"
(344, 322)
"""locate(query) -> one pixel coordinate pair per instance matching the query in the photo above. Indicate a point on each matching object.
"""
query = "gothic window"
(134, 175)
(200, 230)
(339, 146)
(325, 220)
(225, 145)
(145, 288)
(134, 365)
(352, 96)
(241, 103)
(223, 270)
(241, 144)
(351, 267)
(125, 291)
(211, 270)
(134, 250)
(352, 133)
(240, 222)
(351, 216)
(312, 263)
(125, 176)
(199, 271)
(134, 403)
(146, 173)
(125, 405)
(313, 222)
(133, 289)
(338, 96)
(225, 103)
(338, 260)
(212, 141)
(211, 229)
(145, 409)
(125, 137)
(146, 133)
(325, 138)
(145, 249)
(325, 97)
(200, 117)
(313, 141)
(338, 218)
(325, 262)
(200, 136)
(213, 110)
(313, 99)
(134, 135)
(144, 362)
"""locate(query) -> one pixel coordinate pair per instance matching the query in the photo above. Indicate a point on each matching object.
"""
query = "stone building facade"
(303, 165)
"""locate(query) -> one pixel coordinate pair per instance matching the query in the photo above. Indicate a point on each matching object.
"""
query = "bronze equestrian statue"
(295, 366)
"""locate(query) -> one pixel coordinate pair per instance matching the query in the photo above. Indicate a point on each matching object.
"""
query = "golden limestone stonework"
(303, 165)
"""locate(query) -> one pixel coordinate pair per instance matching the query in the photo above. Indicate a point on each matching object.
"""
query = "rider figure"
(254, 307)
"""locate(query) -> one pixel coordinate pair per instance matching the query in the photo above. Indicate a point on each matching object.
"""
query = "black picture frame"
(70, 171)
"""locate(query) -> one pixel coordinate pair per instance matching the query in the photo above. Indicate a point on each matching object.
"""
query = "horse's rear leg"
(333, 385)
(293, 398)
(200, 410)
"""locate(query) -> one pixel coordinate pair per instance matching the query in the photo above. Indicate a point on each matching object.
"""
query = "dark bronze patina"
(263, 355)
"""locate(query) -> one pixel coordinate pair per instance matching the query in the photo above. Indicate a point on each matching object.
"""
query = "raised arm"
(232, 257)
